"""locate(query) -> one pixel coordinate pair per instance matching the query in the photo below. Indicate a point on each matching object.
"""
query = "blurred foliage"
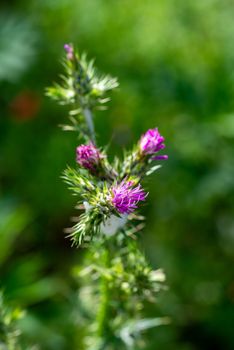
(174, 60)
(118, 284)
(8, 333)
(17, 46)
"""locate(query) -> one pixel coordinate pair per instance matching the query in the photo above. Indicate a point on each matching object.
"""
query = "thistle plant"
(117, 278)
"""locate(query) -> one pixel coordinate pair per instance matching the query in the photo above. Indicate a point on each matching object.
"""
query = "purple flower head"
(69, 50)
(125, 197)
(152, 142)
(88, 156)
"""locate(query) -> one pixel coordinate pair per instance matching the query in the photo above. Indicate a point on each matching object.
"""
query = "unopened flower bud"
(70, 51)
(152, 142)
(88, 156)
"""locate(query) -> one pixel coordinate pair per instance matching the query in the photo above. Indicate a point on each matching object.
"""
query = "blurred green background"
(175, 63)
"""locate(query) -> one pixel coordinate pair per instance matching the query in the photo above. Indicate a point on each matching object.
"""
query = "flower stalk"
(89, 121)
(104, 308)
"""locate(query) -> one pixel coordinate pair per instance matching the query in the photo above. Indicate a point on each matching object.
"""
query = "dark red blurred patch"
(25, 106)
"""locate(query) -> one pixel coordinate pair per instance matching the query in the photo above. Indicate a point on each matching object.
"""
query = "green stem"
(86, 111)
(103, 317)
(89, 121)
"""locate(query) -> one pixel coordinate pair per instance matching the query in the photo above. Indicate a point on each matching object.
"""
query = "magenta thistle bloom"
(88, 156)
(70, 52)
(125, 197)
(152, 142)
